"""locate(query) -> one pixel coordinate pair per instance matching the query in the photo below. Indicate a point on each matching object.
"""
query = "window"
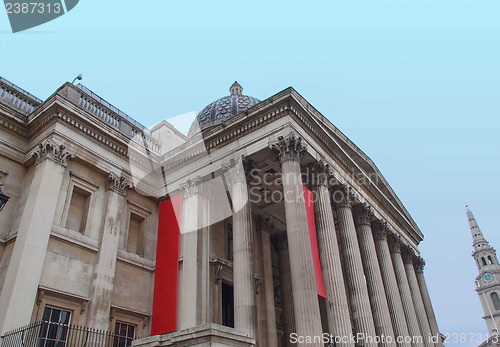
(135, 240)
(490, 261)
(495, 300)
(54, 328)
(227, 305)
(483, 261)
(78, 210)
(124, 334)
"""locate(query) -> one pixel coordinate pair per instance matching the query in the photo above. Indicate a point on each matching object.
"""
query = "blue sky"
(414, 84)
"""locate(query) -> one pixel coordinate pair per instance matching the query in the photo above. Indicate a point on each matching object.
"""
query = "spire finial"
(236, 89)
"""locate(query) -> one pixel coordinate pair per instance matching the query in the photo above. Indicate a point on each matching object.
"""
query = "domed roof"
(223, 109)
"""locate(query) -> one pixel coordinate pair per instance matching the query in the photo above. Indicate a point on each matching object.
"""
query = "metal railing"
(49, 334)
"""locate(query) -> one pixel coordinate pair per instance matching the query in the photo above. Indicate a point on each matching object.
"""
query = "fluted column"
(194, 264)
(307, 315)
(104, 271)
(287, 312)
(404, 291)
(419, 270)
(339, 321)
(390, 284)
(376, 290)
(417, 298)
(358, 291)
(245, 310)
(22, 277)
(264, 226)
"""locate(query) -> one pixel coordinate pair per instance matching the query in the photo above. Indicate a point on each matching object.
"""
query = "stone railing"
(17, 98)
(112, 116)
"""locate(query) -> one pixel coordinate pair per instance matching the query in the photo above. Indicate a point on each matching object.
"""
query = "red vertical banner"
(311, 223)
(164, 317)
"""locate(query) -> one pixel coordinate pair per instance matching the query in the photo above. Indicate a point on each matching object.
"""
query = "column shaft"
(26, 263)
(268, 288)
(417, 301)
(245, 314)
(404, 291)
(376, 290)
(391, 287)
(358, 291)
(427, 302)
(287, 307)
(193, 256)
(305, 295)
(339, 321)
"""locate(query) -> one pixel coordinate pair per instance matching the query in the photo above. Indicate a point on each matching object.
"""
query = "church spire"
(477, 236)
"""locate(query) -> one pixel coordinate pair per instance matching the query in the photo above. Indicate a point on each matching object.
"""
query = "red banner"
(164, 317)
(309, 199)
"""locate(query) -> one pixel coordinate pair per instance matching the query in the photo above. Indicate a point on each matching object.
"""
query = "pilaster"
(26, 264)
(104, 270)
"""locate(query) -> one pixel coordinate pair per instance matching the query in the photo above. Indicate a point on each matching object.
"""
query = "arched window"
(483, 261)
(490, 260)
(495, 300)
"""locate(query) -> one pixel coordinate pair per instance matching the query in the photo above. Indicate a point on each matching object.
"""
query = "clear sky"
(415, 84)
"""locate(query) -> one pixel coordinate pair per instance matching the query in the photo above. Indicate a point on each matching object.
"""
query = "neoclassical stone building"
(264, 226)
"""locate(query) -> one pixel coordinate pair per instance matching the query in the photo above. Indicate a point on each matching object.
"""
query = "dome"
(223, 109)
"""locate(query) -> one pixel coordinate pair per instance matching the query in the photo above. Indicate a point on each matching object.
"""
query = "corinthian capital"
(419, 264)
(280, 241)
(343, 196)
(363, 214)
(380, 230)
(288, 148)
(408, 254)
(319, 174)
(118, 184)
(238, 171)
(264, 224)
(191, 187)
(54, 150)
(394, 244)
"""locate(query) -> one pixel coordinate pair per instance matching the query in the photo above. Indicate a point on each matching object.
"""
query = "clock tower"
(488, 281)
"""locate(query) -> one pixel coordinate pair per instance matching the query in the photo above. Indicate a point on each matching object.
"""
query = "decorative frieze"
(54, 150)
(118, 183)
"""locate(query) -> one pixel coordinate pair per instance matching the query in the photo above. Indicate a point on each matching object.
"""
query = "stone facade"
(80, 230)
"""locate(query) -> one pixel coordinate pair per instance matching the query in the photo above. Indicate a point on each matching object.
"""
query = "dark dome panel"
(223, 109)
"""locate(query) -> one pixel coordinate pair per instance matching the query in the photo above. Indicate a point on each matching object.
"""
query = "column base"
(204, 336)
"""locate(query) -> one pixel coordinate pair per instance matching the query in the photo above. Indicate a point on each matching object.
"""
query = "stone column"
(265, 227)
(305, 296)
(287, 312)
(339, 320)
(26, 263)
(390, 283)
(193, 263)
(245, 310)
(104, 271)
(417, 298)
(376, 290)
(404, 291)
(356, 282)
(419, 270)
